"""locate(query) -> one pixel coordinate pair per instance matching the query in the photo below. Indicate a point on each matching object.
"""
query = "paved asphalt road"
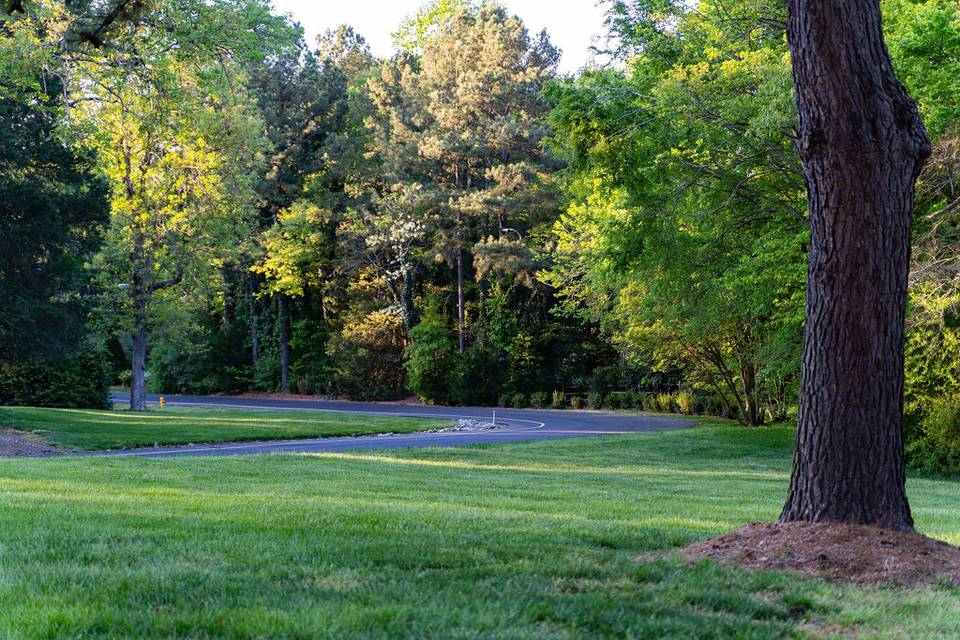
(516, 425)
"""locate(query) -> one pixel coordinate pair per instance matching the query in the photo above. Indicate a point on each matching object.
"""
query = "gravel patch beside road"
(14, 444)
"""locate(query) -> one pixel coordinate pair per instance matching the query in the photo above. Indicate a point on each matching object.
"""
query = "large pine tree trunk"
(862, 145)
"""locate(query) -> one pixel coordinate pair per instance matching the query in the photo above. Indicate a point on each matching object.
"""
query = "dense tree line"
(212, 204)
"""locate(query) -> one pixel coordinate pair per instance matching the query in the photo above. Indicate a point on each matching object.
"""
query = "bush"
(540, 400)
(664, 402)
(594, 400)
(367, 357)
(685, 402)
(80, 382)
(559, 400)
(518, 401)
(633, 400)
(576, 402)
(476, 378)
(307, 385)
(429, 359)
(266, 377)
(935, 441)
(650, 403)
(613, 401)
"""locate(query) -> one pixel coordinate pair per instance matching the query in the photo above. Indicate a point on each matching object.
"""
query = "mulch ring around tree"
(839, 552)
(14, 444)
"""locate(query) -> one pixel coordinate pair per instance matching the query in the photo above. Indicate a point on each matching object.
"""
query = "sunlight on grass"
(99, 430)
(562, 539)
(560, 469)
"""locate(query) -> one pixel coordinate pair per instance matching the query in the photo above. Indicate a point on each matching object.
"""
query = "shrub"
(633, 399)
(518, 401)
(576, 402)
(307, 385)
(540, 400)
(559, 400)
(367, 357)
(266, 376)
(664, 402)
(684, 401)
(80, 382)
(475, 377)
(429, 360)
(935, 442)
(613, 401)
(650, 403)
(594, 400)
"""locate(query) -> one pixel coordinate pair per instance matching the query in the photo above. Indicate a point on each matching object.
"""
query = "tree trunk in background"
(461, 315)
(410, 316)
(254, 334)
(253, 318)
(138, 381)
(284, 313)
(862, 145)
(751, 409)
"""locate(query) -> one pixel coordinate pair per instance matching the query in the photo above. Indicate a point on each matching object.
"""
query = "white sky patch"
(573, 25)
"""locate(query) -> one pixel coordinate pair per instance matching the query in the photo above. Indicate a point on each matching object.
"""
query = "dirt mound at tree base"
(839, 552)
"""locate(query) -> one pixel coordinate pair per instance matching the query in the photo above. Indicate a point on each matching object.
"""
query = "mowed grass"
(100, 430)
(536, 540)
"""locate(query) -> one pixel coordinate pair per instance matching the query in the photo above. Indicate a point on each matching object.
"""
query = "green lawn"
(99, 430)
(537, 540)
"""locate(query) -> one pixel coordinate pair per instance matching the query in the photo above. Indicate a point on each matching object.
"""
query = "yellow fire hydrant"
(163, 402)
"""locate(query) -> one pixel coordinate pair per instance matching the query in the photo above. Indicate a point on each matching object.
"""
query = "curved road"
(516, 425)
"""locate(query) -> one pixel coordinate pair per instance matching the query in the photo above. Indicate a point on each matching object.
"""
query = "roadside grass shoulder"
(94, 430)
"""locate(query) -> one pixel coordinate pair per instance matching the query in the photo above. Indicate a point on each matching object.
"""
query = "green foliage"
(367, 357)
(576, 403)
(238, 166)
(686, 228)
(934, 443)
(519, 401)
(195, 355)
(595, 400)
(664, 402)
(52, 207)
(685, 402)
(613, 401)
(924, 41)
(416, 30)
(540, 400)
(429, 359)
(650, 403)
(79, 381)
(475, 380)
(559, 400)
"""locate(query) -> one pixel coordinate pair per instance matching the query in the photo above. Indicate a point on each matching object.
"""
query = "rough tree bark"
(461, 314)
(862, 145)
(138, 380)
(254, 313)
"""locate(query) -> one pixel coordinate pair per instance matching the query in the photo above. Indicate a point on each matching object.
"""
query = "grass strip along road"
(305, 426)
(533, 540)
(102, 430)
